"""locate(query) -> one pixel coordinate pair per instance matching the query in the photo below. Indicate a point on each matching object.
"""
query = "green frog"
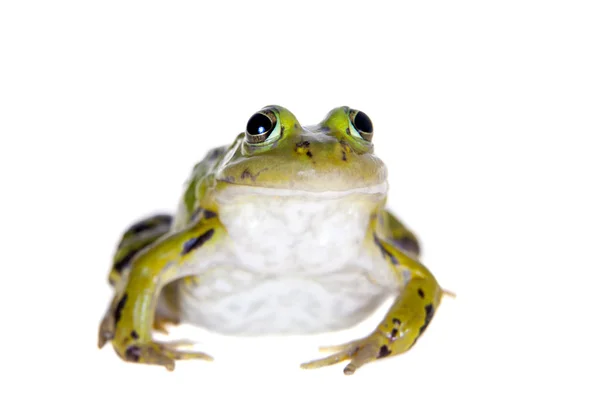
(285, 231)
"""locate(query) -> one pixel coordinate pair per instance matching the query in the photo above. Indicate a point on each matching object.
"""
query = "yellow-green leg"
(406, 320)
(136, 238)
(129, 321)
(391, 227)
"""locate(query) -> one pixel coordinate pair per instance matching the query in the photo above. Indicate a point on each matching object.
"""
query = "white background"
(486, 113)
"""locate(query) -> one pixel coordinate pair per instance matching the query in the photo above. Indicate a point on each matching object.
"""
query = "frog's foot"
(359, 352)
(107, 326)
(161, 353)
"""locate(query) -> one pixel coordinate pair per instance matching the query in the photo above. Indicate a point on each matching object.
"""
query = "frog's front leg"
(405, 322)
(129, 324)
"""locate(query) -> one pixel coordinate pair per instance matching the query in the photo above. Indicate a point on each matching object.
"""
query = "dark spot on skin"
(408, 244)
(282, 130)
(348, 132)
(164, 218)
(215, 153)
(384, 251)
(134, 334)
(140, 227)
(195, 214)
(123, 262)
(295, 126)
(428, 316)
(119, 308)
(209, 214)
(197, 242)
(345, 150)
(247, 174)
(396, 321)
(303, 148)
(111, 282)
(384, 352)
(133, 353)
(206, 214)
(151, 223)
(394, 333)
(421, 294)
(345, 145)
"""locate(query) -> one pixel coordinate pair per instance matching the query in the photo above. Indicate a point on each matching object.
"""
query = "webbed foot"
(161, 353)
(359, 352)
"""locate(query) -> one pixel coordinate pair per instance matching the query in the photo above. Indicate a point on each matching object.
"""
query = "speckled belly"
(233, 301)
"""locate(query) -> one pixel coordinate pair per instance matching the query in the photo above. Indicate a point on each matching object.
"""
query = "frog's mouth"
(233, 192)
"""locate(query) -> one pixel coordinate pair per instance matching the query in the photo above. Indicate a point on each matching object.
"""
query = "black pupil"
(259, 124)
(363, 123)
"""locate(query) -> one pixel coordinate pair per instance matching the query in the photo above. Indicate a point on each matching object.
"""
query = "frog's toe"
(359, 352)
(106, 332)
(162, 353)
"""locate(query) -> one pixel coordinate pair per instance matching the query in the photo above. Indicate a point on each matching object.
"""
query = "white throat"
(292, 232)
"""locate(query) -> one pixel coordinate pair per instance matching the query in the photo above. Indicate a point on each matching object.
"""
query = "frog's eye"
(362, 126)
(262, 127)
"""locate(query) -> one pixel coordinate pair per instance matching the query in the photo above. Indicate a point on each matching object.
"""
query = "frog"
(285, 231)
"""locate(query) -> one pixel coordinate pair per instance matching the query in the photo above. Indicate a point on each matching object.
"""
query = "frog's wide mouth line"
(237, 189)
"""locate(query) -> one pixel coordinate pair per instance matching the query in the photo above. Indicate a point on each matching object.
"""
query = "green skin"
(331, 156)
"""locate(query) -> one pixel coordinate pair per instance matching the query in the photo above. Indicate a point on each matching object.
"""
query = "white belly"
(238, 302)
(297, 264)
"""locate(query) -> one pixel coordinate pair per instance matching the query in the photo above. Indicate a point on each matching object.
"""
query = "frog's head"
(277, 152)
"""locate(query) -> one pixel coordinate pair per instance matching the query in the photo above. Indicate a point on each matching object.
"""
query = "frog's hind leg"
(399, 234)
(135, 239)
(128, 324)
(417, 299)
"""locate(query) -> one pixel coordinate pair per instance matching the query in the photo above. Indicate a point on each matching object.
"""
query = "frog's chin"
(230, 191)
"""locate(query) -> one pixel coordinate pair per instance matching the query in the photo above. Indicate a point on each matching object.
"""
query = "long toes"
(326, 361)
(105, 333)
(362, 356)
(103, 338)
(172, 350)
(154, 354)
(174, 344)
(191, 355)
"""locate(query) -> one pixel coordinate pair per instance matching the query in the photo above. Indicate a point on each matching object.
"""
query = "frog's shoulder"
(208, 163)
(200, 176)
(200, 180)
